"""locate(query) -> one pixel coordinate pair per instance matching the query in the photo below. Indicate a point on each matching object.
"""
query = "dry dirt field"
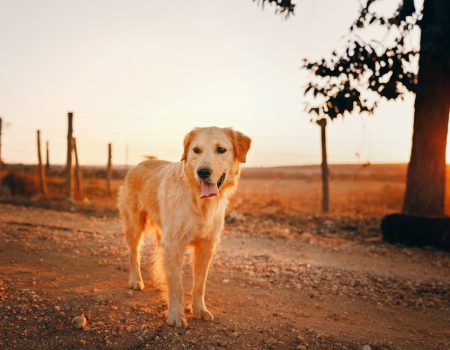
(284, 277)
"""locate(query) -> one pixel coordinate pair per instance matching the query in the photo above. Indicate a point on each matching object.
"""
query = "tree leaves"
(285, 7)
(360, 74)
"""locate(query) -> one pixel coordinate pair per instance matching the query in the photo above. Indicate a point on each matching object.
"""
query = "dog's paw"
(203, 314)
(136, 285)
(177, 320)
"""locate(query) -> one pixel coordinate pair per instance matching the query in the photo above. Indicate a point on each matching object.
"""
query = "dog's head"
(212, 158)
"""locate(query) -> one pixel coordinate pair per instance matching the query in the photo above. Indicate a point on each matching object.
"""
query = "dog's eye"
(221, 150)
(197, 150)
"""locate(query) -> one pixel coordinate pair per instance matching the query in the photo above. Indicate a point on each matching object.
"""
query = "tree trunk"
(425, 184)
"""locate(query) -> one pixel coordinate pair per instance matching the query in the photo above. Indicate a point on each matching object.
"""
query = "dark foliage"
(356, 77)
(20, 184)
(285, 7)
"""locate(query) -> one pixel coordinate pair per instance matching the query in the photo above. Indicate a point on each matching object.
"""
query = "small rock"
(226, 281)
(366, 347)
(57, 308)
(235, 334)
(79, 322)
(222, 343)
(82, 342)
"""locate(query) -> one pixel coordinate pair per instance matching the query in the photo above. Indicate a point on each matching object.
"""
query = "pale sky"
(143, 73)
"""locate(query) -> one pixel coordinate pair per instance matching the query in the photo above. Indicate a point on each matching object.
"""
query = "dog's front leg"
(203, 253)
(173, 267)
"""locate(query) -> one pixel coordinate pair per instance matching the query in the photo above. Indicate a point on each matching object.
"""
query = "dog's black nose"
(204, 173)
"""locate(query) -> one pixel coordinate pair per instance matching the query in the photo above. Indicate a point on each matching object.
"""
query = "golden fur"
(165, 197)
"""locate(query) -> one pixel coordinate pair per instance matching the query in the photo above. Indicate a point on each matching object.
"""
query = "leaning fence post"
(1, 161)
(42, 180)
(69, 156)
(47, 158)
(78, 189)
(109, 170)
(325, 172)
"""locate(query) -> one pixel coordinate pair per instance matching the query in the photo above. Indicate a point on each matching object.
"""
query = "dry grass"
(298, 197)
(282, 191)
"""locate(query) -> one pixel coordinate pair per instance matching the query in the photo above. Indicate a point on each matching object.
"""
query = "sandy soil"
(310, 283)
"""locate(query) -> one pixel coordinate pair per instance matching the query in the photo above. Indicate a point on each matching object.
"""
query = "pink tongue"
(209, 190)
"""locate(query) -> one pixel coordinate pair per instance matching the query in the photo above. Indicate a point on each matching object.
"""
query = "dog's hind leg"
(135, 227)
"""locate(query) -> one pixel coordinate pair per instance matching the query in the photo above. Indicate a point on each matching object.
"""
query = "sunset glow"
(141, 76)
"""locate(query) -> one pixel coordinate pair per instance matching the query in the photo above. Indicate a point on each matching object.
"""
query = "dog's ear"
(241, 144)
(187, 143)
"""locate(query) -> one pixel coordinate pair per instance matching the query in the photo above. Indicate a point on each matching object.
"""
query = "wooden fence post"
(1, 159)
(109, 170)
(69, 157)
(47, 159)
(78, 189)
(42, 180)
(325, 173)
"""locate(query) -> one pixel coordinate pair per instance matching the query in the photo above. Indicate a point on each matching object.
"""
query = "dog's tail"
(159, 277)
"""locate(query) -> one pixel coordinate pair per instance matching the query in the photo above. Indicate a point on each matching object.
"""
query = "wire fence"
(137, 136)
(18, 139)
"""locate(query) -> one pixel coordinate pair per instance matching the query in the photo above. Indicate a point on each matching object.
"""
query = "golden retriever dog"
(184, 204)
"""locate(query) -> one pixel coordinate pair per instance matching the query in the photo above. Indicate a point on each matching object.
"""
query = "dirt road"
(314, 284)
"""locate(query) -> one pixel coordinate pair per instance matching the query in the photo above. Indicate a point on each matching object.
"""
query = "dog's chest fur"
(207, 220)
(181, 211)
